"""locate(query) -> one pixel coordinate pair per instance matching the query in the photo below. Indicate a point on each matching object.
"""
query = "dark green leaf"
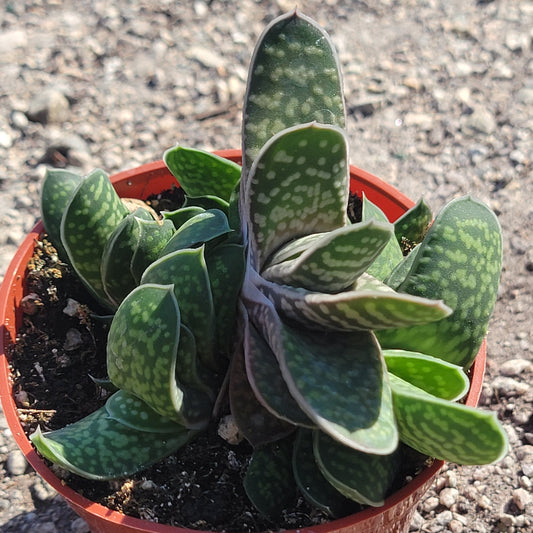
(335, 261)
(459, 261)
(57, 190)
(362, 477)
(391, 254)
(202, 173)
(90, 218)
(269, 482)
(312, 483)
(446, 430)
(258, 425)
(198, 230)
(369, 305)
(294, 78)
(298, 185)
(413, 225)
(99, 447)
(186, 270)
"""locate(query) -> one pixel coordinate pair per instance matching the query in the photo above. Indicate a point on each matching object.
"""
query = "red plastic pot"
(393, 517)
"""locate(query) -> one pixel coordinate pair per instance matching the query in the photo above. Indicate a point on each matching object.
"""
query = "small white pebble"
(228, 430)
(455, 526)
(448, 497)
(483, 502)
(522, 498)
(430, 504)
(525, 482)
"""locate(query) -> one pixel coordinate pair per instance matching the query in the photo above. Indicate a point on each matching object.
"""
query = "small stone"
(484, 502)
(415, 84)
(448, 497)
(526, 482)
(517, 157)
(228, 430)
(514, 367)
(42, 491)
(525, 96)
(19, 120)
(48, 527)
(507, 520)
(16, 463)
(79, 526)
(451, 479)
(73, 340)
(9, 40)
(480, 121)
(508, 387)
(516, 41)
(416, 522)
(522, 498)
(49, 106)
(5, 139)
(444, 518)
(73, 308)
(455, 526)
(147, 484)
(430, 504)
(205, 57)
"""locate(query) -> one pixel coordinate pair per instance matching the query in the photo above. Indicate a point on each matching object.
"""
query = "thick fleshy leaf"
(334, 262)
(269, 482)
(298, 185)
(202, 173)
(99, 447)
(431, 374)
(312, 483)
(225, 266)
(392, 254)
(57, 190)
(294, 78)
(133, 412)
(413, 225)
(153, 236)
(134, 244)
(258, 425)
(294, 248)
(340, 381)
(459, 261)
(446, 430)
(142, 351)
(369, 305)
(207, 202)
(181, 215)
(199, 229)
(266, 380)
(362, 477)
(186, 270)
(90, 218)
(402, 269)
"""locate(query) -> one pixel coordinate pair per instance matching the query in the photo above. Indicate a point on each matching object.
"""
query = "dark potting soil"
(53, 363)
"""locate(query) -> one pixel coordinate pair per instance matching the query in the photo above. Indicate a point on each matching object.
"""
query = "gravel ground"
(439, 94)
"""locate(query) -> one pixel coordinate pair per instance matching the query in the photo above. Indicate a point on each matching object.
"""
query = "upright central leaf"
(298, 185)
(294, 78)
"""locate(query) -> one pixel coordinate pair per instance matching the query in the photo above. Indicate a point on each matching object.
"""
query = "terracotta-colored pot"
(393, 517)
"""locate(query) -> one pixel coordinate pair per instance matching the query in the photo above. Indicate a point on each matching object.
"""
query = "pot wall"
(394, 517)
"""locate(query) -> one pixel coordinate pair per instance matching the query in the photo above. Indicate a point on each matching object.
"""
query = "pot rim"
(11, 292)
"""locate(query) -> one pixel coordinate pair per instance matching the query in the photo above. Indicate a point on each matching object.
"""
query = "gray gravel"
(439, 93)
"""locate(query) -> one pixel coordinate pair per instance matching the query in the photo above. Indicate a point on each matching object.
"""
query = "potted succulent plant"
(340, 344)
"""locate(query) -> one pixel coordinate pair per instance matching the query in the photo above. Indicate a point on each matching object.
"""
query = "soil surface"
(439, 97)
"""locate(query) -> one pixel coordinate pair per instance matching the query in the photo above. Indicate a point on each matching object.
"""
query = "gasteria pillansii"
(338, 345)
